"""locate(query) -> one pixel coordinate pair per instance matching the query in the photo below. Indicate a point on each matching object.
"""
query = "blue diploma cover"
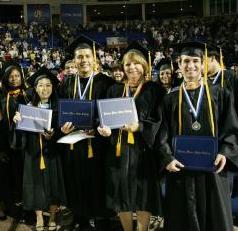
(79, 112)
(196, 152)
(117, 112)
(34, 119)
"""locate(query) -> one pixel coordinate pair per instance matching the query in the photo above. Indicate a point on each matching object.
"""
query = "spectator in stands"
(118, 72)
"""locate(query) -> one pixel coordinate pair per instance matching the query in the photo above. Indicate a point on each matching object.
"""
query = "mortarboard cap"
(82, 42)
(139, 48)
(213, 50)
(7, 67)
(43, 72)
(164, 63)
(190, 48)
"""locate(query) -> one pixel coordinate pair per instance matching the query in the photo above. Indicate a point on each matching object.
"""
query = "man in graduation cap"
(197, 200)
(218, 75)
(84, 161)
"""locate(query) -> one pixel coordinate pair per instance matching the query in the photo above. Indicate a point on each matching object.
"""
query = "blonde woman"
(131, 166)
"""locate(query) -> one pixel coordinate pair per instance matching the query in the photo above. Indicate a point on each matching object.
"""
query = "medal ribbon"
(82, 96)
(199, 102)
(209, 105)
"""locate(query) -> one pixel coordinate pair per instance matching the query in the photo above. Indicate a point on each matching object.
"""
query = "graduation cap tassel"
(90, 149)
(222, 68)
(7, 107)
(42, 161)
(118, 146)
(71, 147)
(210, 108)
(180, 109)
(149, 61)
(205, 64)
(94, 57)
(130, 138)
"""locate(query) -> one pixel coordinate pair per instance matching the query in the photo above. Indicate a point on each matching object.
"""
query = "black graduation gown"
(132, 179)
(198, 201)
(15, 144)
(42, 188)
(85, 177)
(230, 82)
(4, 165)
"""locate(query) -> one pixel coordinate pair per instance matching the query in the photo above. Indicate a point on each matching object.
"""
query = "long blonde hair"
(137, 57)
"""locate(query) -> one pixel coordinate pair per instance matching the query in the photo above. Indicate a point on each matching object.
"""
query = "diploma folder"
(34, 119)
(116, 112)
(196, 152)
(79, 112)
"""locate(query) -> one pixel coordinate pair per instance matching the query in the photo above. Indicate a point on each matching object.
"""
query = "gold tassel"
(90, 149)
(222, 68)
(42, 161)
(130, 138)
(94, 57)
(118, 147)
(205, 64)
(180, 109)
(71, 147)
(149, 62)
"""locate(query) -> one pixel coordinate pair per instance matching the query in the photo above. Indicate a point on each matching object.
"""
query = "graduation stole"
(209, 106)
(90, 84)
(11, 93)
(130, 136)
(222, 68)
(42, 161)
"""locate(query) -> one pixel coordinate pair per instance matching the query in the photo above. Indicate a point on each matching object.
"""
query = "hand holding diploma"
(174, 166)
(17, 117)
(67, 128)
(104, 131)
(220, 162)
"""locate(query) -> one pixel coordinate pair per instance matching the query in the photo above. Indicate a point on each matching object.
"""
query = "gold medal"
(196, 126)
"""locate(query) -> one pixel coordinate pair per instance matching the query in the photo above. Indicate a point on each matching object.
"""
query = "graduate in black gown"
(197, 200)
(218, 75)
(84, 162)
(132, 180)
(43, 184)
(13, 93)
(4, 165)
(166, 75)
